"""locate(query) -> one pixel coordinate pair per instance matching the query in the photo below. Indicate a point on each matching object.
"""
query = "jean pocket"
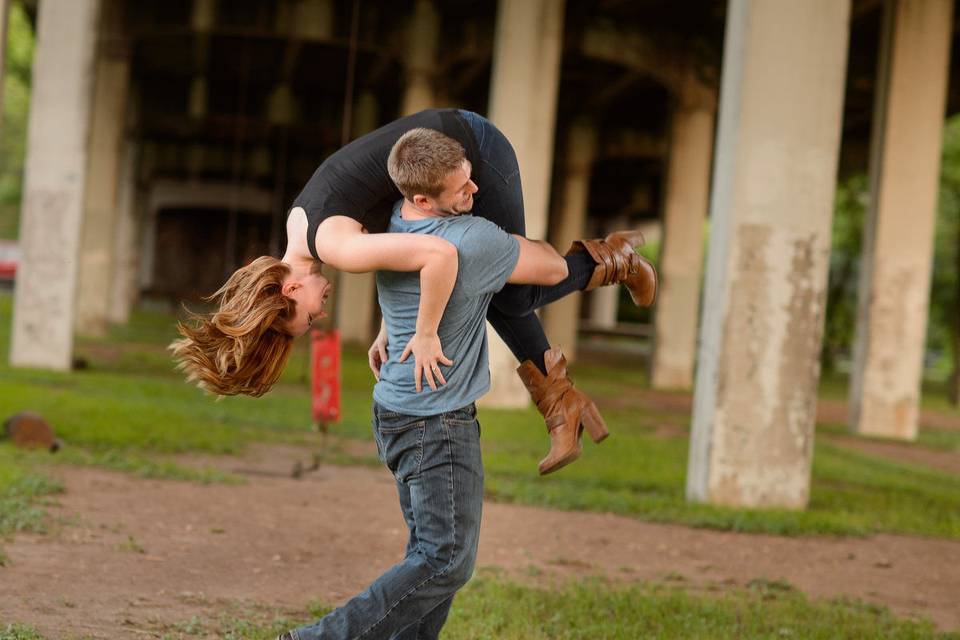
(464, 416)
(403, 449)
(389, 422)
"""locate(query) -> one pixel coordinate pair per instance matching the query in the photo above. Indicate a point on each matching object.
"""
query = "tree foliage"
(16, 108)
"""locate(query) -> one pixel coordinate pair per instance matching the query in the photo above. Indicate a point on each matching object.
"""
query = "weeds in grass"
(596, 609)
(18, 632)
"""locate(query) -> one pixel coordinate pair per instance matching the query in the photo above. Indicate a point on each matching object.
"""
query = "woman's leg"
(500, 200)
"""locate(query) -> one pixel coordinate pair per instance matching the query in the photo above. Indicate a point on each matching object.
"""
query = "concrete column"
(772, 201)
(681, 254)
(54, 179)
(898, 240)
(562, 318)
(523, 100)
(604, 307)
(356, 292)
(421, 58)
(124, 288)
(313, 19)
(100, 222)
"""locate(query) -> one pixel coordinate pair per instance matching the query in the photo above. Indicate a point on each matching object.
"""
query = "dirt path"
(139, 555)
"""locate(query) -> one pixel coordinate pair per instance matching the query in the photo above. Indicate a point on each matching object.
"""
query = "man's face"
(457, 195)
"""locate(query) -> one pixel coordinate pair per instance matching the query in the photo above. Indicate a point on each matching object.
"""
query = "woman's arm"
(341, 243)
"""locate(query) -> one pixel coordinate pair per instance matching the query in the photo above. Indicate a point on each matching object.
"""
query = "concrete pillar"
(421, 58)
(312, 19)
(100, 221)
(124, 288)
(197, 100)
(604, 307)
(681, 254)
(356, 292)
(898, 240)
(562, 318)
(282, 106)
(772, 201)
(54, 179)
(523, 100)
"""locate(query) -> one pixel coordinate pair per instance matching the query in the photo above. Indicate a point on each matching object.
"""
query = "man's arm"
(539, 263)
(341, 243)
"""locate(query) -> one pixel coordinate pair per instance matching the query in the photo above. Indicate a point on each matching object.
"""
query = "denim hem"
(453, 554)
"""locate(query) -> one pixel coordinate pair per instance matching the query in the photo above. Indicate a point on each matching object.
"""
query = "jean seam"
(453, 555)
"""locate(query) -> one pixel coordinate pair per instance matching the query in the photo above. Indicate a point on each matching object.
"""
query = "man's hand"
(377, 354)
(427, 355)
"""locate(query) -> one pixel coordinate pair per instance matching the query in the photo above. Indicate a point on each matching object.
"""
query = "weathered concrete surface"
(898, 241)
(779, 133)
(124, 290)
(681, 255)
(423, 37)
(98, 230)
(523, 101)
(562, 318)
(54, 178)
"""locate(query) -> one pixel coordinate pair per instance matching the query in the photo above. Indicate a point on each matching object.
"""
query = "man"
(339, 218)
(430, 440)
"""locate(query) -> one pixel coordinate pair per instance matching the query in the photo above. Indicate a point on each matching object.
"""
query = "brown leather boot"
(566, 410)
(618, 262)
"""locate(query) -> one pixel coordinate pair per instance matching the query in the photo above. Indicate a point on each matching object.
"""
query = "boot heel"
(593, 422)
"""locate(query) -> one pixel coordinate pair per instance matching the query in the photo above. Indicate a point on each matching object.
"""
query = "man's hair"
(243, 346)
(420, 161)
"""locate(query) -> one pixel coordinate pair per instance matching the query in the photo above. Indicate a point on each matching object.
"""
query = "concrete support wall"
(100, 222)
(523, 100)
(54, 179)
(356, 292)
(898, 242)
(562, 318)
(681, 254)
(772, 202)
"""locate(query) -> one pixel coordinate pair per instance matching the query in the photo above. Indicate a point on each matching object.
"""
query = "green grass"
(18, 632)
(130, 410)
(491, 606)
(21, 492)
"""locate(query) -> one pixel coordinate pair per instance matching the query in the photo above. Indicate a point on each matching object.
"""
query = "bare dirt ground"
(134, 556)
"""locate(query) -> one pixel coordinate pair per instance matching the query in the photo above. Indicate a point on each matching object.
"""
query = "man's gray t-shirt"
(488, 256)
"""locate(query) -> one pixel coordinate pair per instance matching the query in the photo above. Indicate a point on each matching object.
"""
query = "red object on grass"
(325, 353)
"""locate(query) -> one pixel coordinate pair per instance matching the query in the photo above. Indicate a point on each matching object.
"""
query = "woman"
(340, 217)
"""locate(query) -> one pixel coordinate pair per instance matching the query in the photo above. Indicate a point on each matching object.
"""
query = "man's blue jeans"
(439, 473)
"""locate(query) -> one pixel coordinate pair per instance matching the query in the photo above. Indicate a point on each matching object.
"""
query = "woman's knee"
(513, 300)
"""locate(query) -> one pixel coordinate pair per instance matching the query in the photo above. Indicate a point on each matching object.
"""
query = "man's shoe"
(285, 636)
(566, 410)
(618, 262)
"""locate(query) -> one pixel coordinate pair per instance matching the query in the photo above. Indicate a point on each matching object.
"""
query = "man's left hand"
(428, 356)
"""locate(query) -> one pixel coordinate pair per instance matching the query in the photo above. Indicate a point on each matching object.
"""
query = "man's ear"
(421, 201)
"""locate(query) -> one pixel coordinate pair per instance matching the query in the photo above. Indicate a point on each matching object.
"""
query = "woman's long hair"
(242, 347)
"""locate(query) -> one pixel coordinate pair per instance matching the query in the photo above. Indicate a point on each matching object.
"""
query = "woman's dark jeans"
(500, 200)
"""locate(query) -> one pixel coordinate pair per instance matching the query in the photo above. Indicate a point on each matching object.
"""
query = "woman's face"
(310, 292)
